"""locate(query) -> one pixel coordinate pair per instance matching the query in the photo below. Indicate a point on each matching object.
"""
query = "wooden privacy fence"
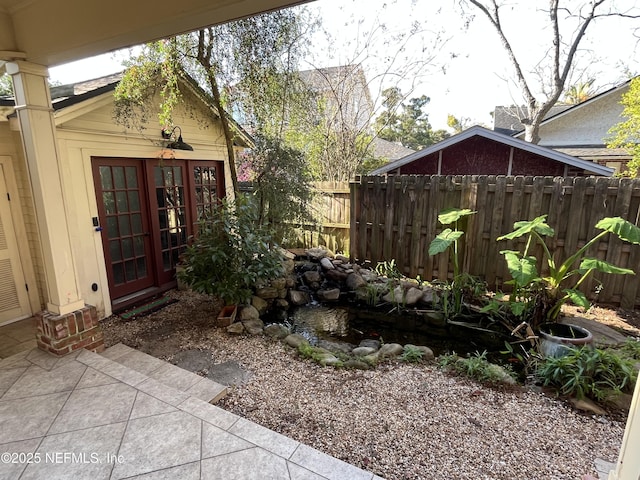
(396, 217)
(332, 213)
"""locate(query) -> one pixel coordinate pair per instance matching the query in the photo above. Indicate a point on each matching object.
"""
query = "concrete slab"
(602, 334)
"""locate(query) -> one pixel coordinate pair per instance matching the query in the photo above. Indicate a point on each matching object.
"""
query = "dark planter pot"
(557, 339)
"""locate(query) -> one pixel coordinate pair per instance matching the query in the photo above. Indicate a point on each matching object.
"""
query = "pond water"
(352, 324)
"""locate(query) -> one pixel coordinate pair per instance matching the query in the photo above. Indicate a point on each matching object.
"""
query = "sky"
(456, 61)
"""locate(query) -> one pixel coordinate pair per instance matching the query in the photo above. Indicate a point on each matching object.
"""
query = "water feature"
(351, 324)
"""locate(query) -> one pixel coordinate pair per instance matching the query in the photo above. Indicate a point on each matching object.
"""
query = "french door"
(147, 210)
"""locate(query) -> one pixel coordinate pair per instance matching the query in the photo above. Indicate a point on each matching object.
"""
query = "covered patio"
(85, 403)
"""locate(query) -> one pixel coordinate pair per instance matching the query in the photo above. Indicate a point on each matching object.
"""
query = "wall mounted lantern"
(174, 144)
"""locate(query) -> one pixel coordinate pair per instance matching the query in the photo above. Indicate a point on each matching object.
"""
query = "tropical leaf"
(451, 215)
(624, 229)
(443, 241)
(518, 308)
(578, 298)
(522, 269)
(538, 225)
(602, 266)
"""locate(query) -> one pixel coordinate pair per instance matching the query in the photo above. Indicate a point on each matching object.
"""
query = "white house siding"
(83, 134)
(23, 213)
(588, 124)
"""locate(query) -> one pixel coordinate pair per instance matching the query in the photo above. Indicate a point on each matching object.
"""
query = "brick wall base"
(63, 334)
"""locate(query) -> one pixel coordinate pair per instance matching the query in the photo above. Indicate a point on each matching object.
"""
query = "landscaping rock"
(295, 340)
(276, 330)
(318, 253)
(340, 347)
(331, 295)
(363, 351)
(369, 342)
(267, 292)
(328, 360)
(228, 374)
(342, 258)
(500, 374)
(427, 353)
(394, 296)
(312, 276)
(279, 283)
(355, 280)
(586, 405)
(236, 328)
(357, 364)
(427, 295)
(327, 264)
(336, 275)
(368, 275)
(292, 280)
(253, 327)
(435, 319)
(281, 303)
(289, 265)
(259, 304)
(389, 350)
(413, 296)
(371, 359)
(249, 312)
(297, 297)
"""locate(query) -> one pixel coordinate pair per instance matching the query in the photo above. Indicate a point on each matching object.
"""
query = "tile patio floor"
(85, 416)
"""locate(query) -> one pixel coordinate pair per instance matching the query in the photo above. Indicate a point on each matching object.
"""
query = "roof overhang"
(504, 139)
(52, 32)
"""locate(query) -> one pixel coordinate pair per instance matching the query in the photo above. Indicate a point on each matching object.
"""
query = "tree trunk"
(227, 131)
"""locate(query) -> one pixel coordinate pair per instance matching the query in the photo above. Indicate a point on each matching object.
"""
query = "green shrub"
(588, 372)
(631, 348)
(477, 367)
(231, 253)
(412, 354)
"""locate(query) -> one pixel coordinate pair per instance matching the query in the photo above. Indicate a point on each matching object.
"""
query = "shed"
(479, 151)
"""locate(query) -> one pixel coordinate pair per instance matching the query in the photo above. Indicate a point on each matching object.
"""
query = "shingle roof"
(506, 120)
(389, 150)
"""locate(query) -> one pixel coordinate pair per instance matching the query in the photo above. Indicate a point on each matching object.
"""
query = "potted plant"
(230, 254)
(550, 292)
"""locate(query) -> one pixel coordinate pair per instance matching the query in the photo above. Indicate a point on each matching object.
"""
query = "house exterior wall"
(25, 220)
(586, 125)
(87, 131)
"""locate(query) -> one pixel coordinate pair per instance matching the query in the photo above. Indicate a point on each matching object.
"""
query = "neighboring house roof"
(506, 120)
(63, 96)
(504, 139)
(573, 108)
(389, 150)
(346, 92)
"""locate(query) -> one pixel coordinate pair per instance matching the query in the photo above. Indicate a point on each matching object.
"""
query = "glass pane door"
(125, 229)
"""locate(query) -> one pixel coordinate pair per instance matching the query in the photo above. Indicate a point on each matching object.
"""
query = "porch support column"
(68, 323)
(628, 467)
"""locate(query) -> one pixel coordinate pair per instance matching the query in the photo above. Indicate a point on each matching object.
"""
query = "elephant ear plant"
(450, 237)
(231, 253)
(523, 266)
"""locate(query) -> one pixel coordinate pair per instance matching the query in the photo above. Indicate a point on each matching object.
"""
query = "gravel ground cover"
(400, 421)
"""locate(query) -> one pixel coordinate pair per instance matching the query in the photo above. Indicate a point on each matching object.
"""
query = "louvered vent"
(3, 238)
(8, 293)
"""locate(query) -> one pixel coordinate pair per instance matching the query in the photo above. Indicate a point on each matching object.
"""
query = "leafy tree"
(579, 92)
(407, 123)
(458, 124)
(281, 186)
(247, 60)
(626, 134)
(6, 87)
(567, 25)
